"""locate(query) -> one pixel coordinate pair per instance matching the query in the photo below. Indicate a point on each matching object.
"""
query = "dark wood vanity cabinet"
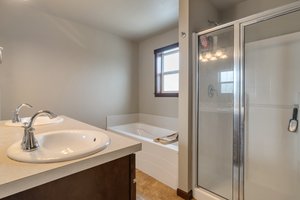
(114, 180)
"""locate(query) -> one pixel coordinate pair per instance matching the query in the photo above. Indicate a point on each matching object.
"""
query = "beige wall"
(193, 16)
(65, 67)
(164, 106)
(249, 7)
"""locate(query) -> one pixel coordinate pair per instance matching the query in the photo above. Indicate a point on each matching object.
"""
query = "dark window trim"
(157, 93)
(166, 94)
(171, 46)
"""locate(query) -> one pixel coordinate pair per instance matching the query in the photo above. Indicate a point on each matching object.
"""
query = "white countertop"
(17, 176)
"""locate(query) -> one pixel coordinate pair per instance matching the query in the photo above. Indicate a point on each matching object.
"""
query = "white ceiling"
(132, 19)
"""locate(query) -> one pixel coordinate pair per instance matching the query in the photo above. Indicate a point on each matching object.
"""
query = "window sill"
(166, 94)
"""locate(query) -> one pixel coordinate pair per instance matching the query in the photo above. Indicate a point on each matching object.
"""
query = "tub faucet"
(29, 143)
(16, 116)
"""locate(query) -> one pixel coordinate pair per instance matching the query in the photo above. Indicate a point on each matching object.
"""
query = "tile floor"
(149, 188)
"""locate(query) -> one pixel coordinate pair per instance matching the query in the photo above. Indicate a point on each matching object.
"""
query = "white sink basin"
(61, 145)
(42, 120)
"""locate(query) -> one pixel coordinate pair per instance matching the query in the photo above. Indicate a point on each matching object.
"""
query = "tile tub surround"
(154, 120)
(157, 160)
(17, 176)
(114, 120)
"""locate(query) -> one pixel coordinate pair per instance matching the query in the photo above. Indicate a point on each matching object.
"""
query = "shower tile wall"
(272, 154)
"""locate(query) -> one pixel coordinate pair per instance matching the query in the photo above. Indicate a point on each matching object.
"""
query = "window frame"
(158, 78)
(226, 82)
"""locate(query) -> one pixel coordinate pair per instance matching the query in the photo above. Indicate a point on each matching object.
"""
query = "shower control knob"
(293, 125)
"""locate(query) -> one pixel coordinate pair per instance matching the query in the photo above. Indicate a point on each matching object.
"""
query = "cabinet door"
(114, 180)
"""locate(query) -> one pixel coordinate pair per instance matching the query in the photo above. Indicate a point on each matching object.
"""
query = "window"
(226, 82)
(167, 71)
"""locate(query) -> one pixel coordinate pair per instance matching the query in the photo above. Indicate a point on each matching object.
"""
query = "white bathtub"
(157, 160)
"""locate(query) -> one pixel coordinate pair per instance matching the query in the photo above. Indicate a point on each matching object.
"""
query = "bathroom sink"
(43, 120)
(61, 145)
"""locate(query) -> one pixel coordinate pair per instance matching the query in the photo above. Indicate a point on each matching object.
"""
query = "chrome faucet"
(29, 143)
(16, 116)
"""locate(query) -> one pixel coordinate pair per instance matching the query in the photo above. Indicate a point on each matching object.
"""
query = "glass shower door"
(215, 111)
(272, 93)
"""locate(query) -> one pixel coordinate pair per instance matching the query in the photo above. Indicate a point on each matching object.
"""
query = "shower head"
(213, 22)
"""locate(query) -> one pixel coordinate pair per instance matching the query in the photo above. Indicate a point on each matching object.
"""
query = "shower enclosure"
(247, 95)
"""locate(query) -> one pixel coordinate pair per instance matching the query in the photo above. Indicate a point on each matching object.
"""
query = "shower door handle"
(293, 123)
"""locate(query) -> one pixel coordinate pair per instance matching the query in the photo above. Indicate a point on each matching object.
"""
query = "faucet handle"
(16, 117)
(23, 105)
